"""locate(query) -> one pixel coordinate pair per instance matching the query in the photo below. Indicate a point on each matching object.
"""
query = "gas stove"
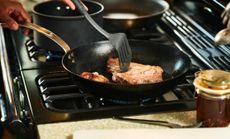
(39, 91)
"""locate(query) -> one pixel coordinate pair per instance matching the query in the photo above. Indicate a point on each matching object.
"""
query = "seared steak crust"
(137, 73)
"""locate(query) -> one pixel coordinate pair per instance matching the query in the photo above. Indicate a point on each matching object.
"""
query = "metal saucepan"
(123, 15)
(93, 58)
(69, 24)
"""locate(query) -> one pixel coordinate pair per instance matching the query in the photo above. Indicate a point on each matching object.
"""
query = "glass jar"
(213, 98)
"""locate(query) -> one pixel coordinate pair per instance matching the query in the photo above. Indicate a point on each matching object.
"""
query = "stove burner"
(37, 53)
(54, 55)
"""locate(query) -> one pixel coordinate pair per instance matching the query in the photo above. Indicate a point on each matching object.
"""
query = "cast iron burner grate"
(199, 42)
(60, 94)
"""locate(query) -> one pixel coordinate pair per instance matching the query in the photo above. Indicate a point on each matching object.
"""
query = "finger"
(226, 17)
(18, 18)
(228, 25)
(10, 22)
(224, 21)
(223, 14)
(4, 25)
(227, 7)
(70, 4)
(20, 12)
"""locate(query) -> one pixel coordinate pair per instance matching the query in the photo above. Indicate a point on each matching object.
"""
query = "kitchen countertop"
(65, 130)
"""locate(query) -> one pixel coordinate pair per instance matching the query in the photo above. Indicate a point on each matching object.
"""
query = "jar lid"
(213, 82)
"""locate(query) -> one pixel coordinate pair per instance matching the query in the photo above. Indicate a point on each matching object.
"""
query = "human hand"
(226, 15)
(12, 13)
(70, 3)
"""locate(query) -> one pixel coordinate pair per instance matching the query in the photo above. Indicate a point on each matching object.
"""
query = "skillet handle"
(47, 33)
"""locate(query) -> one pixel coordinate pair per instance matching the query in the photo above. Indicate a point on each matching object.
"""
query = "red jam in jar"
(213, 98)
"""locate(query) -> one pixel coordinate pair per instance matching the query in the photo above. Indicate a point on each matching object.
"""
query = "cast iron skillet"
(124, 15)
(93, 58)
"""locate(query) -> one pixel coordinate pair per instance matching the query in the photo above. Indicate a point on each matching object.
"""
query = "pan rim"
(68, 17)
(165, 6)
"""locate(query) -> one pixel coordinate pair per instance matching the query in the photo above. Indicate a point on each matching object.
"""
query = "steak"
(136, 74)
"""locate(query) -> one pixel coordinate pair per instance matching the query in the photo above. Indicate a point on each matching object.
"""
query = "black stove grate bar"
(71, 105)
(61, 79)
(65, 96)
(59, 93)
(70, 102)
(184, 91)
(216, 57)
(59, 89)
(221, 62)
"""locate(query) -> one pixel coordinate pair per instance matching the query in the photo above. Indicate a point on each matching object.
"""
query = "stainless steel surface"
(8, 81)
(118, 40)
(9, 107)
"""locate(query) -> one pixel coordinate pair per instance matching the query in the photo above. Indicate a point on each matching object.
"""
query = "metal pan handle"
(47, 33)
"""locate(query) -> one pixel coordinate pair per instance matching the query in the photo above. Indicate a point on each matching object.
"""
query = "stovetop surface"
(49, 93)
(53, 97)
